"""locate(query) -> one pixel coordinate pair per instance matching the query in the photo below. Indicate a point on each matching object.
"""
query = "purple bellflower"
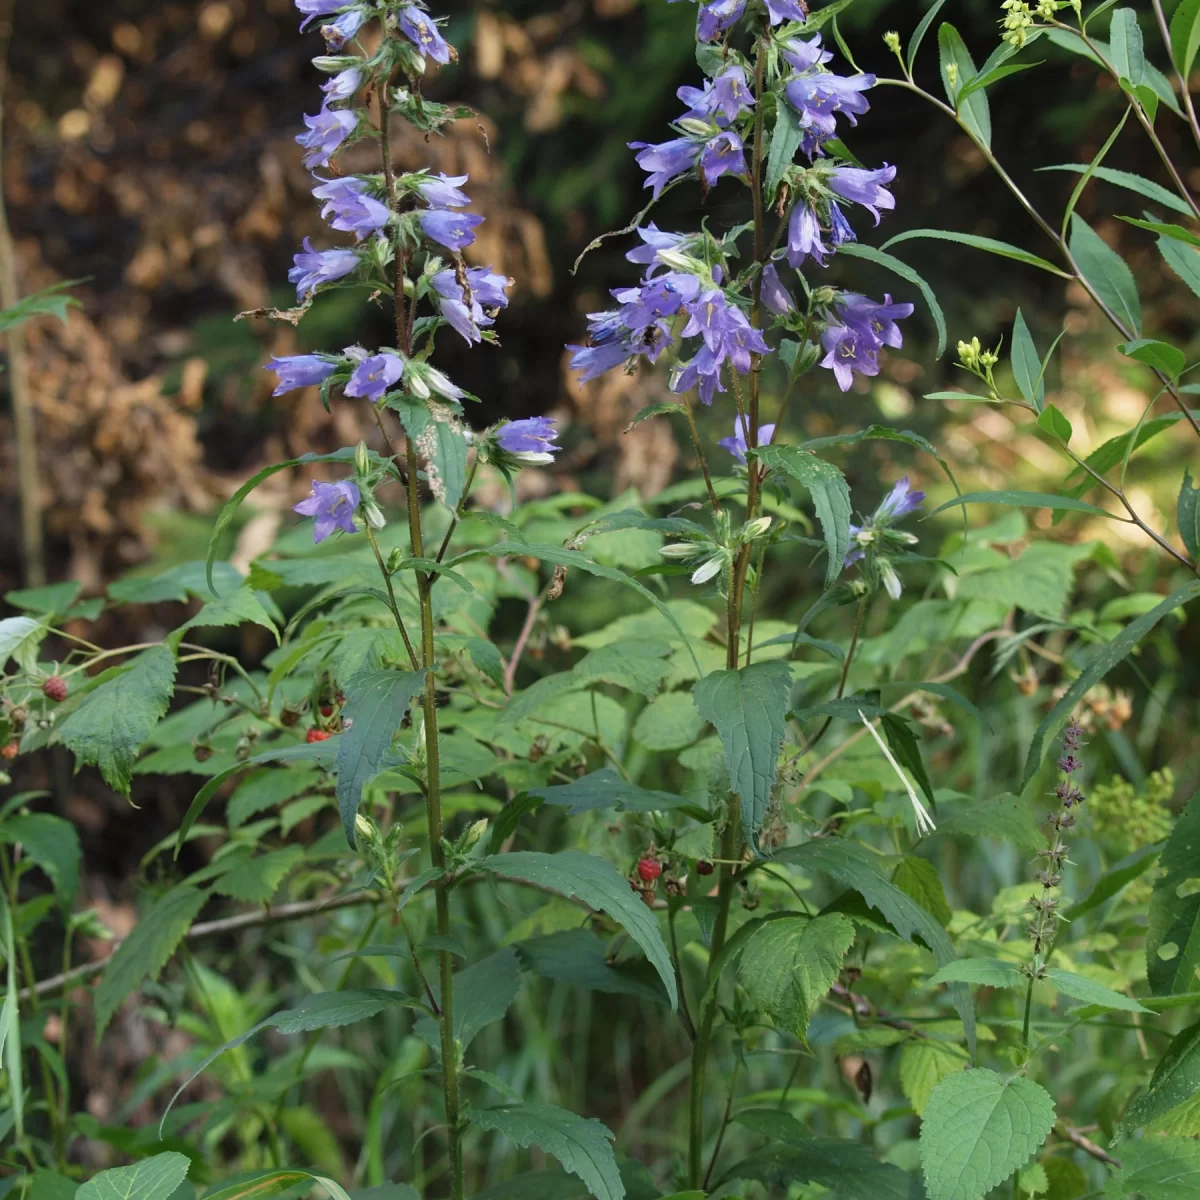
(442, 191)
(818, 98)
(715, 18)
(531, 439)
(315, 267)
(312, 9)
(333, 505)
(737, 444)
(877, 321)
(722, 156)
(450, 229)
(666, 160)
(721, 99)
(804, 237)
(611, 343)
(654, 240)
(848, 350)
(419, 28)
(326, 133)
(348, 207)
(373, 376)
(899, 502)
(774, 295)
(864, 187)
(343, 86)
(299, 370)
(779, 11)
(486, 288)
(338, 33)
(806, 56)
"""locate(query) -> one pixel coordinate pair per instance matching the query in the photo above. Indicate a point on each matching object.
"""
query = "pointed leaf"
(1162, 356)
(1079, 987)
(153, 1178)
(606, 788)
(956, 59)
(482, 995)
(921, 30)
(982, 972)
(1107, 273)
(991, 245)
(1187, 515)
(1026, 365)
(1024, 500)
(53, 844)
(1157, 1168)
(1183, 260)
(1125, 39)
(924, 1063)
(1133, 183)
(1176, 1079)
(260, 1187)
(1185, 35)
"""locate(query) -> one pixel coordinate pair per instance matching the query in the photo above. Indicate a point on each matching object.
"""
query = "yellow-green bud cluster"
(1021, 15)
(891, 40)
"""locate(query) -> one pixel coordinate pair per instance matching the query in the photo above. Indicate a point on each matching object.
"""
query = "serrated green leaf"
(581, 1146)
(48, 302)
(1103, 661)
(1162, 356)
(482, 994)
(1026, 365)
(786, 136)
(921, 30)
(578, 956)
(1185, 35)
(670, 722)
(1187, 514)
(254, 880)
(982, 972)
(991, 245)
(110, 726)
(1176, 1079)
(52, 843)
(445, 449)
(1054, 422)
(636, 664)
(748, 708)
(1183, 260)
(1173, 931)
(1003, 817)
(1107, 273)
(265, 789)
(1153, 78)
(1079, 987)
(600, 886)
(1157, 1168)
(789, 965)
(953, 54)
(153, 1178)
(17, 636)
(924, 1063)
(897, 267)
(235, 608)
(1167, 229)
(918, 879)
(978, 1129)
(830, 495)
(606, 788)
(146, 950)
(376, 703)
(52, 598)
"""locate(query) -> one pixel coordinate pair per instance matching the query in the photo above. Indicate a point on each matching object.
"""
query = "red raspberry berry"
(10, 750)
(704, 868)
(327, 710)
(316, 735)
(649, 869)
(55, 688)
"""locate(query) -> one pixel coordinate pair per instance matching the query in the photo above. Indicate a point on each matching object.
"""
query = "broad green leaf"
(265, 789)
(748, 708)
(1183, 260)
(982, 972)
(786, 136)
(52, 598)
(1107, 273)
(637, 664)
(581, 1146)
(234, 608)
(578, 956)
(669, 722)
(153, 1178)
(146, 950)
(857, 867)
(1024, 500)
(1176, 1079)
(260, 1187)
(445, 451)
(1003, 817)
(1026, 365)
(1128, 54)
(1187, 514)
(921, 30)
(255, 879)
(918, 879)
(954, 56)
(50, 1185)
(847, 1168)
(178, 583)
(52, 843)
(1079, 987)
(978, 1129)
(19, 635)
(1133, 183)
(893, 264)
(48, 302)
(1101, 662)
(788, 966)
(606, 788)
(376, 704)
(1157, 1168)
(991, 245)
(482, 995)
(600, 886)
(1054, 422)
(1173, 932)
(830, 495)
(110, 726)
(1162, 356)
(1185, 35)
(924, 1063)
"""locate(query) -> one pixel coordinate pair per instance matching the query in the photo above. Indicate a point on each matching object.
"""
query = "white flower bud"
(891, 581)
(676, 258)
(705, 572)
(374, 515)
(696, 126)
(362, 458)
(678, 550)
(757, 528)
(417, 386)
(533, 458)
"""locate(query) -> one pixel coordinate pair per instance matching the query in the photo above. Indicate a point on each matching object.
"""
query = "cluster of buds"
(1112, 706)
(877, 542)
(974, 358)
(711, 555)
(1021, 16)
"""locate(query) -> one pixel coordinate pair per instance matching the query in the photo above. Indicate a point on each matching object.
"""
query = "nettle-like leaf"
(241, 607)
(581, 1145)
(146, 950)
(581, 957)
(1176, 1079)
(108, 729)
(978, 1129)
(153, 1178)
(53, 844)
(1173, 932)
(482, 994)
(600, 886)
(1158, 1168)
(924, 1063)
(605, 788)
(748, 708)
(19, 638)
(272, 1183)
(789, 965)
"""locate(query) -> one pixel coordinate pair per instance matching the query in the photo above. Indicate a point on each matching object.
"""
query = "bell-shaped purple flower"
(442, 191)
(804, 237)
(876, 321)
(654, 240)
(723, 155)
(342, 86)
(373, 376)
(349, 207)
(723, 98)
(333, 505)
(848, 350)
(804, 56)
(665, 161)
(420, 29)
(774, 295)
(299, 370)
(779, 11)
(315, 267)
(312, 9)
(532, 439)
(864, 187)
(737, 445)
(839, 231)
(338, 33)
(486, 288)
(702, 372)
(715, 18)
(326, 133)
(657, 298)
(899, 502)
(454, 230)
(818, 98)
(611, 343)
(725, 330)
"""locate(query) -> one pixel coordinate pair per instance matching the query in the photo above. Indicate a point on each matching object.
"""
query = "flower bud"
(678, 550)
(331, 64)
(891, 40)
(681, 262)
(756, 528)
(417, 385)
(891, 581)
(695, 126)
(705, 572)
(374, 514)
(362, 459)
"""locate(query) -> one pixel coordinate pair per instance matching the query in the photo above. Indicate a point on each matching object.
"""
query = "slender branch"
(391, 592)
(1077, 1138)
(510, 671)
(459, 508)
(712, 1162)
(1185, 91)
(708, 483)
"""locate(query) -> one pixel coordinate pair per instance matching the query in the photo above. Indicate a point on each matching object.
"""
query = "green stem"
(387, 582)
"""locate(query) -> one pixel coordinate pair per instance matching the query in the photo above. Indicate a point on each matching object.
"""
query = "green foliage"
(1173, 934)
(153, 1178)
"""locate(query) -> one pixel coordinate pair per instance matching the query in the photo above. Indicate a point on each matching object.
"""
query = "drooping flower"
(840, 231)
(326, 133)
(774, 295)
(875, 320)
(612, 343)
(317, 8)
(723, 98)
(864, 187)
(530, 440)
(349, 207)
(804, 237)
(487, 288)
(805, 56)
(333, 506)
(373, 376)
(419, 28)
(454, 230)
(817, 98)
(655, 240)
(725, 330)
(779, 11)
(658, 297)
(737, 445)
(338, 33)
(862, 330)
(343, 86)
(315, 267)
(442, 191)
(666, 160)
(723, 155)
(898, 503)
(848, 350)
(299, 370)
(715, 18)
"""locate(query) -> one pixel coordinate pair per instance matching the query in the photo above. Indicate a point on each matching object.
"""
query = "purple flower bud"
(450, 229)
(317, 8)
(419, 28)
(864, 187)
(333, 505)
(326, 132)
(299, 370)
(338, 33)
(373, 376)
(442, 191)
(532, 436)
(722, 156)
(315, 267)
(774, 295)
(737, 444)
(349, 207)
(899, 502)
(840, 231)
(715, 18)
(804, 237)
